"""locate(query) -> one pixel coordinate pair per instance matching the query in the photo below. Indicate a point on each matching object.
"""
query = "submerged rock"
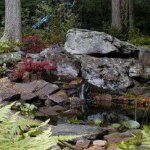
(80, 41)
(103, 100)
(108, 117)
(46, 111)
(58, 99)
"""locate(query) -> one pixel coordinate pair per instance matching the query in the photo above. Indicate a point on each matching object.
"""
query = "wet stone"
(46, 111)
(72, 112)
(103, 100)
(76, 102)
(58, 108)
(59, 99)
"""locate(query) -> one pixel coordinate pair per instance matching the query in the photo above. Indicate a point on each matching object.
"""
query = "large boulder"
(110, 73)
(11, 57)
(67, 65)
(80, 41)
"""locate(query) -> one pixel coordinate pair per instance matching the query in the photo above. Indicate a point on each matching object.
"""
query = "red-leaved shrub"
(38, 68)
(32, 44)
(30, 39)
(34, 48)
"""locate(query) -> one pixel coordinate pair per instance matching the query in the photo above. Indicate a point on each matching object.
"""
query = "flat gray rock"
(36, 88)
(6, 90)
(85, 130)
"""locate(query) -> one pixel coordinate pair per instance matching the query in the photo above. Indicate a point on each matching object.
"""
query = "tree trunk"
(12, 30)
(131, 15)
(116, 18)
(119, 14)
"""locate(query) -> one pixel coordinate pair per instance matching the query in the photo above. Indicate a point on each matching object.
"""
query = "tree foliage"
(92, 14)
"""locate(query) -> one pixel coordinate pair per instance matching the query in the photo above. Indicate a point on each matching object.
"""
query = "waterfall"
(82, 92)
(82, 98)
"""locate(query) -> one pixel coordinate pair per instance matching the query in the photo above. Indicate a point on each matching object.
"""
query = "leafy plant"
(25, 108)
(38, 68)
(32, 44)
(6, 47)
(43, 9)
(141, 41)
(30, 39)
(116, 125)
(2, 71)
(61, 21)
(17, 133)
(146, 137)
(126, 146)
(137, 142)
(75, 121)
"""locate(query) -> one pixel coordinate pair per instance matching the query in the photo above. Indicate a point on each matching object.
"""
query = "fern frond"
(146, 137)
(17, 133)
(69, 138)
(36, 130)
(4, 111)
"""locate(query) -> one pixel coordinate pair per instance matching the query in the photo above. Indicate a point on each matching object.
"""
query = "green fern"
(146, 137)
(137, 142)
(18, 133)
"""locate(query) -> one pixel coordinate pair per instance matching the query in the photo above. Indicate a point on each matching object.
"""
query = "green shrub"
(114, 32)
(61, 21)
(141, 41)
(6, 47)
(25, 108)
